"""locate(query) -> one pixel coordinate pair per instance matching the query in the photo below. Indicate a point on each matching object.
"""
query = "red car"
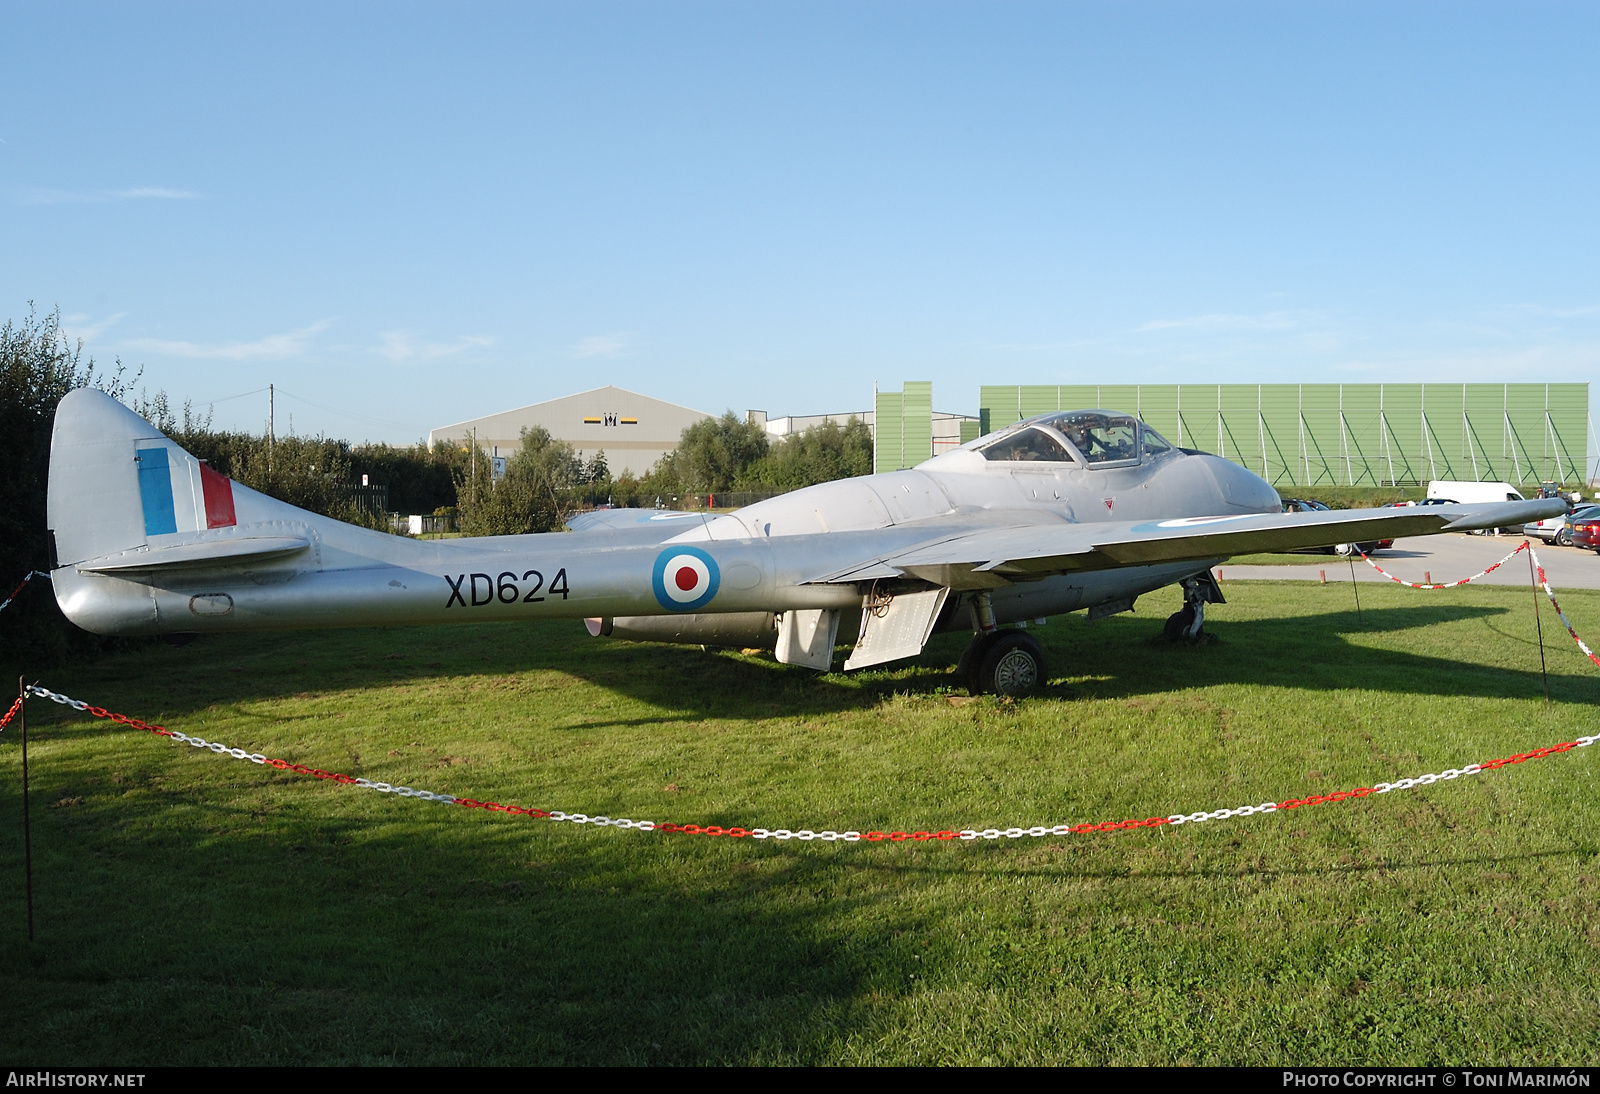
(1302, 505)
(1586, 532)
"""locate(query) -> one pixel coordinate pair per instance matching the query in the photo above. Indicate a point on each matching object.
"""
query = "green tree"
(420, 478)
(313, 473)
(711, 456)
(820, 454)
(536, 493)
(38, 366)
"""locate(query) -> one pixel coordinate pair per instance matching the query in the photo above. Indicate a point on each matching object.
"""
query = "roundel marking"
(1189, 522)
(684, 579)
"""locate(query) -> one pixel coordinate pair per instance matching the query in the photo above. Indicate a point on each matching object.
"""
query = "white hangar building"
(633, 430)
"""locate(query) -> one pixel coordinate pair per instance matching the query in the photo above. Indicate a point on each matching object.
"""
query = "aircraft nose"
(1242, 488)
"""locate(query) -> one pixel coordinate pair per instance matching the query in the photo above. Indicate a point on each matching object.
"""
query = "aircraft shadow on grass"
(446, 938)
(410, 933)
(461, 924)
(1114, 658)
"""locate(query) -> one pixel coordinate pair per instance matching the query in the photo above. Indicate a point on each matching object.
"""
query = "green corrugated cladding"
(1345, 434)
(1158, 405)
(904, 426)
(887, 432)
(916, 422)
(970, 431)
(1198, 415)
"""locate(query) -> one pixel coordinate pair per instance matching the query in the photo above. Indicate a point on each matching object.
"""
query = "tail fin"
(130, 510)
(118, 485)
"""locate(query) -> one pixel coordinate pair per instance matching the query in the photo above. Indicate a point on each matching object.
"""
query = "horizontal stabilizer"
(197, 554)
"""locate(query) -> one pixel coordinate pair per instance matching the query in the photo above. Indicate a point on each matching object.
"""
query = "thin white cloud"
(604, 345)
(1225, 321)
(1558, 313)
(79, 328)
(401, 346)
(155, 192)
(274, 346)
(38, 195)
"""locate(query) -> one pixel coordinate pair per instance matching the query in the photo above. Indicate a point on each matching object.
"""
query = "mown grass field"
(193, 909)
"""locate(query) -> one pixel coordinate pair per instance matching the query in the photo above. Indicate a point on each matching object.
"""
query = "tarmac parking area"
(1447, 558)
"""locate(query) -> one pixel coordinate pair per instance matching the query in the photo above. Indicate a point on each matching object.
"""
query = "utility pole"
(271, 437)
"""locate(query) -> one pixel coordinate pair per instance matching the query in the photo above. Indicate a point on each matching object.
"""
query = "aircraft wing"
(595, 520)
(623, 527)
(999, 556)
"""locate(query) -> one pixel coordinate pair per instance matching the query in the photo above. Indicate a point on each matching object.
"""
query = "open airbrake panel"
(896, 629)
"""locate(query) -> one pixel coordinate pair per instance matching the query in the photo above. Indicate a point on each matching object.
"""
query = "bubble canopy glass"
(1095, 437)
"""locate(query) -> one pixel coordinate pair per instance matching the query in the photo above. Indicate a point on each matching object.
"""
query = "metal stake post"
(1539, 623)
(27, 832)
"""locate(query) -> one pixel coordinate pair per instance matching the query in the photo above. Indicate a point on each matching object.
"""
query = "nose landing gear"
(1188, 624)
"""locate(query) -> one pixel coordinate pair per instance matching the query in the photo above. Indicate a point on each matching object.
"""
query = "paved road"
(1448, 558)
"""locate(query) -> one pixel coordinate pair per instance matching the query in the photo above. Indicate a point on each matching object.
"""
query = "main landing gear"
(1009, 663)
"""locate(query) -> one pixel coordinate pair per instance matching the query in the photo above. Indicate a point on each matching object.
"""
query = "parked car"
(1558, 530)
(1584, 527)
(1304, 505)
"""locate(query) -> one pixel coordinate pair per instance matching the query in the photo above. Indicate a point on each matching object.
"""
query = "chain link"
(1545, 585)
(6, 603)
(1526, 546)
(806, 835)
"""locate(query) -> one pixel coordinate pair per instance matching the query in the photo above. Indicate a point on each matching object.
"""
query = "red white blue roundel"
(685, 578)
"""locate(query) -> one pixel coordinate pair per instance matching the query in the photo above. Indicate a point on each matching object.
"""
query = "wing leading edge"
(995, 557)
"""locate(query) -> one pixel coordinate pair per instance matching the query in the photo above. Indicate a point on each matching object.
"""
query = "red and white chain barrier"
(1526, 546)
(830, 835)
(806, 834)
(6, 603)
(1544, 583)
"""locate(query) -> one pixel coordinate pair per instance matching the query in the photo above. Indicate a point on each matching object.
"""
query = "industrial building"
(1296, 435)
(907, 430)
(636, 430)
(1347, 434)
(633, 430)
(944, 430)
(1292, 435)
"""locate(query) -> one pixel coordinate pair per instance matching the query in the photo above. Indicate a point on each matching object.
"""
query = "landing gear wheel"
(1178, 624)
(1013, 665)
(972, 659)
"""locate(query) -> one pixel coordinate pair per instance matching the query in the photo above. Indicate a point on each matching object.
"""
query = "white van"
(1466, 493)
(1470, 492)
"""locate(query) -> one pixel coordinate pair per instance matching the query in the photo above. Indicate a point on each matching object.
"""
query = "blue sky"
(406, 215)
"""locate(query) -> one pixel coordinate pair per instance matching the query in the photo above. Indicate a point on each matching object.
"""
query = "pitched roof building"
(633, 430)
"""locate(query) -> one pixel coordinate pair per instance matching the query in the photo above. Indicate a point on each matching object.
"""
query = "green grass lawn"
(195, 909)
(1285, 558)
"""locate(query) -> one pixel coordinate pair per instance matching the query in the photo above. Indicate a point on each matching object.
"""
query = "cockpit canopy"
(1098, 438)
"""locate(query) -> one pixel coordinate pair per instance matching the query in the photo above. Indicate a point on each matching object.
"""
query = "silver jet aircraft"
(1065, 511)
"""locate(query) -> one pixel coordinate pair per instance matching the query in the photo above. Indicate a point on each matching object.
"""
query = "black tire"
(1013, 665)
(1564, 538)
(972, 659)
(1177, 623)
